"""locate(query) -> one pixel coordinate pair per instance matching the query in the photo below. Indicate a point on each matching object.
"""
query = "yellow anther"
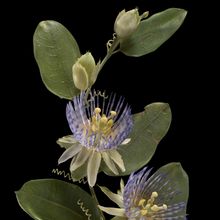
(164, 206)
(152, 198)
(155, 208)
(147, 206)
(144, 212)
(100, 123)
(113, 113)
(141, 202)
(103, 120)
(97, 110)
(110, 123)
(94, 128)
(154, 195)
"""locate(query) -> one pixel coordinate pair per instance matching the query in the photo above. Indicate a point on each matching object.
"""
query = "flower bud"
(83, 71)
(126, 23)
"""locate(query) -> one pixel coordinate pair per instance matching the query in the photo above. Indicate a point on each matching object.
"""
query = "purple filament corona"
(85, 123)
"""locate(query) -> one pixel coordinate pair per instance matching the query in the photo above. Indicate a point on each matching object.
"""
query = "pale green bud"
(126, 23)
(83, 71)
(80, 76)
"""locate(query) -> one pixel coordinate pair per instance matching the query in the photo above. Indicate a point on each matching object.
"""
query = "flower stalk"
(92, 191)
(110, 51)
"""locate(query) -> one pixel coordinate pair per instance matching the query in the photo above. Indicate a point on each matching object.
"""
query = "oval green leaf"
(150, 126)
(179, 179)
(153, 32)
(55, 199)
(55, 51)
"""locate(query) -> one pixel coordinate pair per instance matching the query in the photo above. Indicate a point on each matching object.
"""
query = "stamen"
(97, 110)
(110, 123)
(102, 124)
(148, 208)
(154, 195)
(90, 128)
(164, 206)
(156, 208)
(103, 120)
(113, 113)
(144, 212)
(152, 198)
(141, 202)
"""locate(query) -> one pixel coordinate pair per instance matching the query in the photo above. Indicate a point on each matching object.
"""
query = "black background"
(35, 118)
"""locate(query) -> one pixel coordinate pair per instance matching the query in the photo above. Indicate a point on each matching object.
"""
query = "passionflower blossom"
(99, 124)
(146, 198)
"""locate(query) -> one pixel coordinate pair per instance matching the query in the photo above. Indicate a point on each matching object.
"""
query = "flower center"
(148, 207)
(100, 124)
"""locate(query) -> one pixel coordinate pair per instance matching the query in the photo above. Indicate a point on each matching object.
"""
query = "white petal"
(122, 186)
(113, 196)
(119, 218)
(69, 153)
(108, 161)
(121, 190)
(80, 159)
(113, 211)
(116, 157)
(126, 141)
(67, 139)
(93, 167)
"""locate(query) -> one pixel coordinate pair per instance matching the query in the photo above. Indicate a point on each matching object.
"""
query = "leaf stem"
(96, 201)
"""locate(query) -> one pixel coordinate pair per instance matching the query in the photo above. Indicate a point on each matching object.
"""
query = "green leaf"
(46, 199)
(153, 32)
(55, 51)
(150, 126)
(179, 180)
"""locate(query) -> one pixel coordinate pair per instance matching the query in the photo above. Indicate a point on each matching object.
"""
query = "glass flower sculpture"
(99, 125)
(105, 135)
(147, 198)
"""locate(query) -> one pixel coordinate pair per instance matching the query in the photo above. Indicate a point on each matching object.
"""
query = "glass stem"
(96, 201)
(111, 50)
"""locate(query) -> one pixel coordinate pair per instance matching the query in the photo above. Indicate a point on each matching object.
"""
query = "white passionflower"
(99, 125)
(145, 198)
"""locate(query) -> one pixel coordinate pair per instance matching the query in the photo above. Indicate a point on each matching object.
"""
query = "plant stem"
(96, 201)
(110, 52)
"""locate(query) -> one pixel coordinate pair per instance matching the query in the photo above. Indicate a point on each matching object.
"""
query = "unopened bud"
(83, 71)
(80, 76)
(126, 23)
